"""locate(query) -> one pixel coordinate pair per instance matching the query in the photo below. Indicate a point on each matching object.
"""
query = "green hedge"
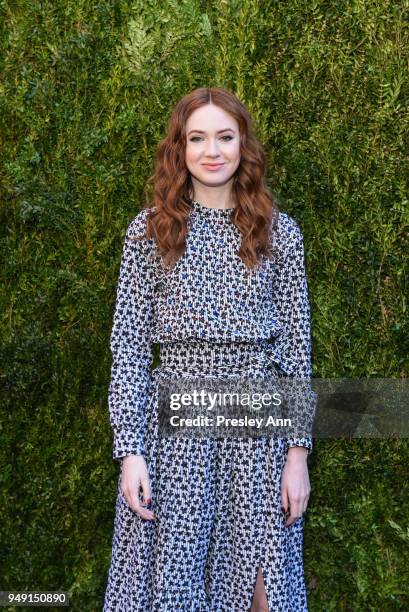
(86, 92)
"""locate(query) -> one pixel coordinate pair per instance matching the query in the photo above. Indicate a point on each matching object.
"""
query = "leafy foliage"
(86, 92)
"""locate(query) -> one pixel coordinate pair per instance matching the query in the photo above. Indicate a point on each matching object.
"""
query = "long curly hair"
(255, 213)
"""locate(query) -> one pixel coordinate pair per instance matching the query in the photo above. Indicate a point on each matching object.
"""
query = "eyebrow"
(219, 132)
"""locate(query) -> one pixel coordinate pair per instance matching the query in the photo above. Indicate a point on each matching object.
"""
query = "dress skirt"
(218, 511)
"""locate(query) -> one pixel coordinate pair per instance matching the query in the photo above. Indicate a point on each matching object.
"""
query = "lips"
(213, 166)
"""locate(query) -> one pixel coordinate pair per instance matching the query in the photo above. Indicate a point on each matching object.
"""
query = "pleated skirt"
(217, 502)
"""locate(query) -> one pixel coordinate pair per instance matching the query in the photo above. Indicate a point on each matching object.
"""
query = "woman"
(211, 271)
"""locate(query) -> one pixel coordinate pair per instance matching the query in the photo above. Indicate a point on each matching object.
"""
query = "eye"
(226, 138)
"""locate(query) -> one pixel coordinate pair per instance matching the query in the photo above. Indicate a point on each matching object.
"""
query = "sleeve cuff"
(127, 442)
(306, 442)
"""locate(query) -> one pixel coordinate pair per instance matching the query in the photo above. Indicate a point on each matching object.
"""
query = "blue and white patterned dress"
(216, 500)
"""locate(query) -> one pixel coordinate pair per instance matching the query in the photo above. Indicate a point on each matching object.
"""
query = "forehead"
(211, 118)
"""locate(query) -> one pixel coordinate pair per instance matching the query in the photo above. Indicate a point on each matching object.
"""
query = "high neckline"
(207, 210)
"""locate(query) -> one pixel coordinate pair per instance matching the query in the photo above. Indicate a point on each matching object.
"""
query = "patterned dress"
(216, 500)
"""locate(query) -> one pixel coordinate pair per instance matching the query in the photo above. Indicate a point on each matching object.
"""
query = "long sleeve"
(292, 347)
(131, 346)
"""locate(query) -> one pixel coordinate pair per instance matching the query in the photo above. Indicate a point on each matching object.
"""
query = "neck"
(213, 197)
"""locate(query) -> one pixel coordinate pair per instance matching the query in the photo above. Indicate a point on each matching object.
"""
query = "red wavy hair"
(255, 212)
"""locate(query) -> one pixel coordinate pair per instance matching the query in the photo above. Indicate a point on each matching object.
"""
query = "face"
(212, 145)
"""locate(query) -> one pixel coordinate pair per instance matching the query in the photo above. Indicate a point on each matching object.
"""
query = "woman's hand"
(134, 475)
(295, 483)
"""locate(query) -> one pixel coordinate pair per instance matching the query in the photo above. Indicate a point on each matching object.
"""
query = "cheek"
(234, 153)
(237, 158)
(190, 155)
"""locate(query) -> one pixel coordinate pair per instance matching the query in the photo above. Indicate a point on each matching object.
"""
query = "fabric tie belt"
(222, 357)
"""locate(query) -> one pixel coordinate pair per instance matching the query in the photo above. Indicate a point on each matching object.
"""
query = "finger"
(291, 519)
(140, 507)
(146, 490)
(295, 512)
(284, 500)
(147, 496)
(135, 505)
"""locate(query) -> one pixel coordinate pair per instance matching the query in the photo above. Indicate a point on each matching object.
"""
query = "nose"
(212, 147)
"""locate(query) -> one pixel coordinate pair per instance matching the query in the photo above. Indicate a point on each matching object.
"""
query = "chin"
(216, 177)
(216, 183)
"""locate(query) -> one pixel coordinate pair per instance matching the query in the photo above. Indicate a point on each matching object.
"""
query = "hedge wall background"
(85, 95)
